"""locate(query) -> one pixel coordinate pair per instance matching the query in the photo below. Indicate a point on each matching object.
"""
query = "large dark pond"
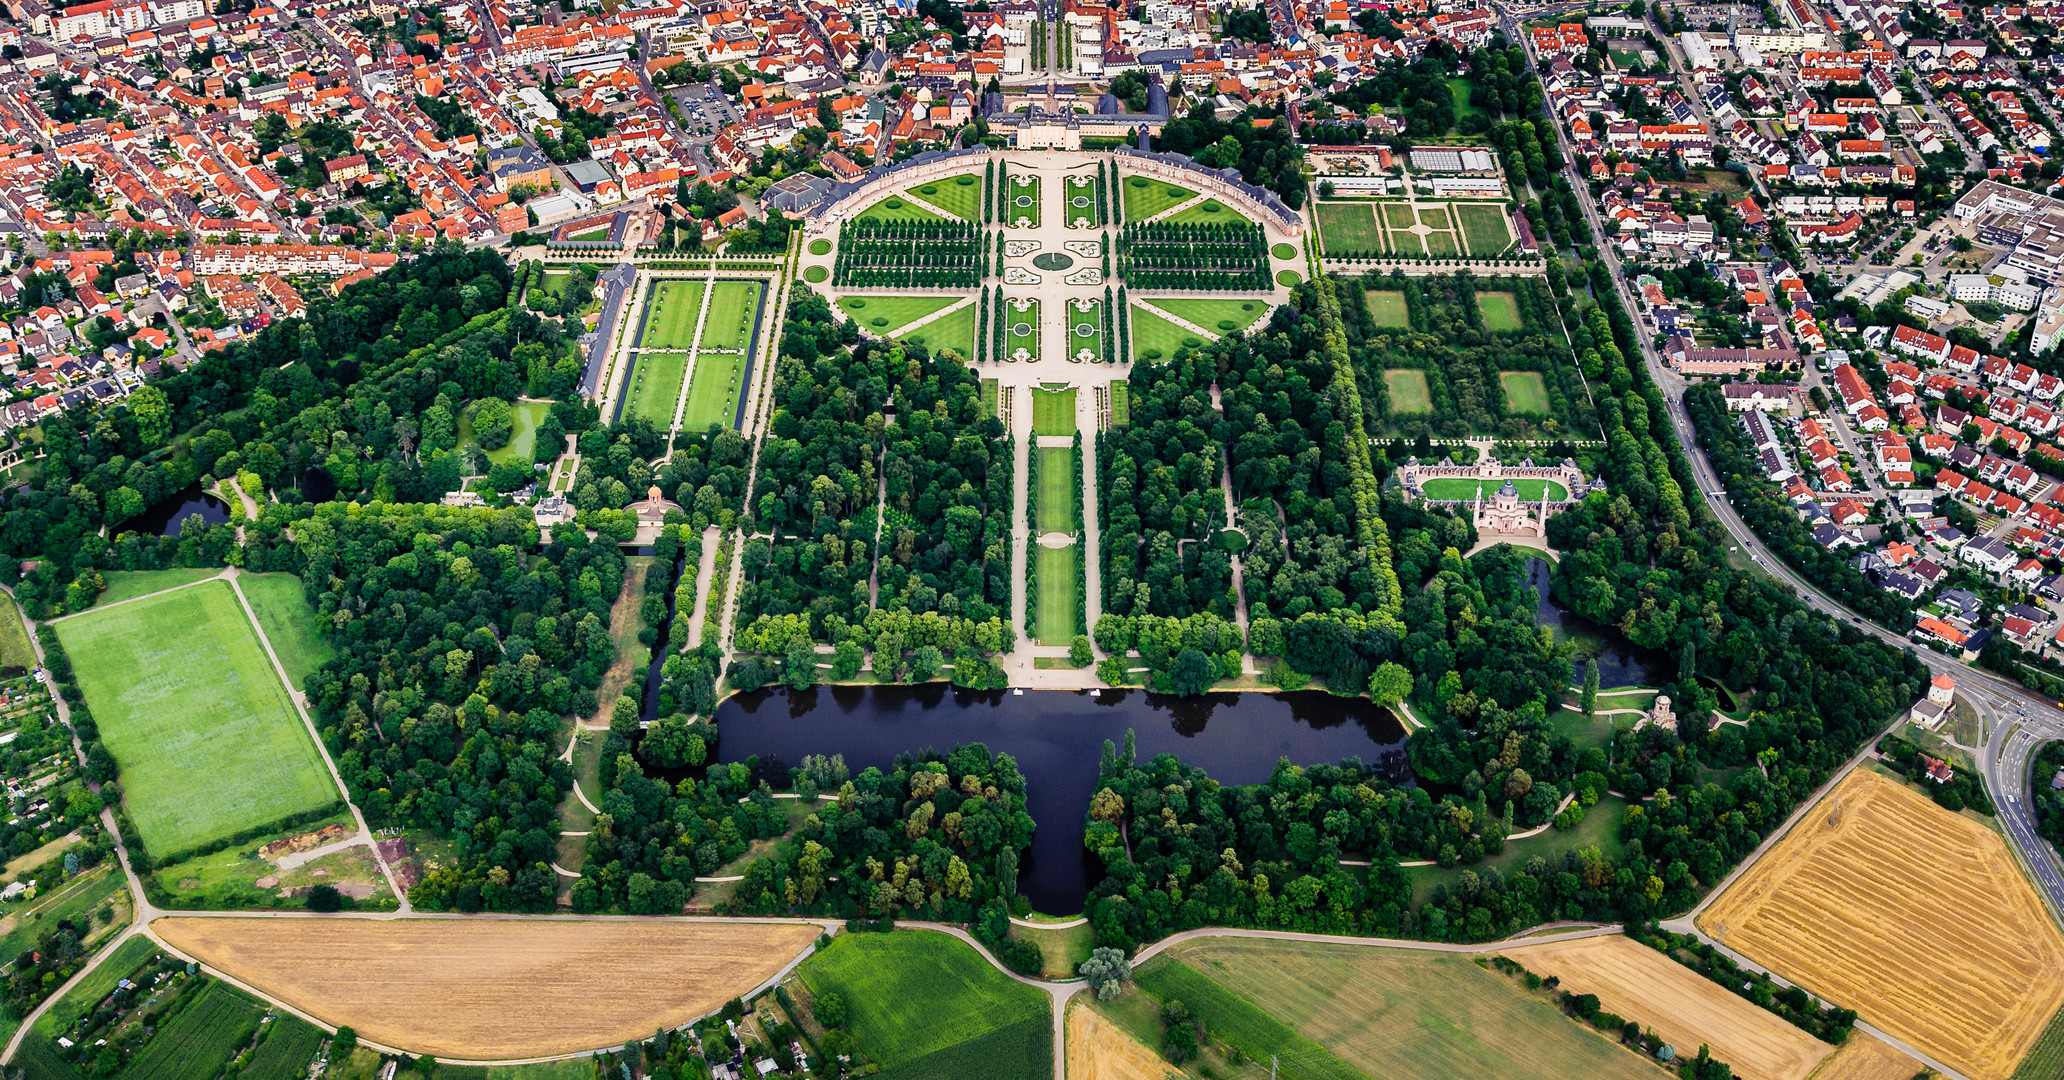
(1057, 737)
(1620, 662)
(164, 519)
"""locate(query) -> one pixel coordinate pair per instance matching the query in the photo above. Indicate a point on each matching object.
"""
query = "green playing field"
(190, 706)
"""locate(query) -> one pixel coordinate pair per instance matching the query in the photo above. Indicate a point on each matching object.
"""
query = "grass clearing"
(190, 706)
(1525, 392)
(1460, 88)
(1145, 196)
(1443, 488)
(1685, 1008)
(897, 209)
(1388, 308)
(130, 584)
(954, 330)
(291, 626)
(926, 1005)
(1408, 391)
(1053, 411)
(1054, 623)
(1500, 311)
(1833, 907)
(1600, 829)
(670, 313)
(1484, 228)
(1217, 316)
(15, 649)
(1065, 948)
(882, 316)
(656, 387)
(960, 195)
(1349, 226)
(494, 988)
(1156, 338)
(1388, 1013)
(728, 326)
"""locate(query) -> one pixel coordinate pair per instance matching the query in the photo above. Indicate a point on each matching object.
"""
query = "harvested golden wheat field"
(493, 989)
(1867, 1057)
(1101, 1050)
(1684, 1007)
(1915, 917)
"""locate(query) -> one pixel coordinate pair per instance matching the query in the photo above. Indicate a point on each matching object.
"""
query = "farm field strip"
(1833, 906)
(493, 989)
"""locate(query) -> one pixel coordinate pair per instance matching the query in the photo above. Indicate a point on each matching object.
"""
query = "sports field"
(1053, 411)
(1054, 622)
(293, 627)
(1024, 200)
(1085, 330)
(728, 325)
(1462, 487)
(960, 195)
(1388, 308)
(713, 389)
(670, 315)
(1525, 392)
(1408, 392)
(494, 988)
(1208, 212)
(924, 1006)
(1685, 1008)
(1500, 311)
(187, 702)
(1155, 338)
(1144, 197)
(1021, 329)
(882, 316)
(1349, 226)
(656, 387)
(955, 330)
(1343, 1011)
(1217, 316)
(1836, 906)
(896, 209)
(1484, 227)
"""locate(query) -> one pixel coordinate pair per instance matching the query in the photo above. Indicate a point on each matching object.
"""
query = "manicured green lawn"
(820, 247)
(1349, 226)
(954, 330)
(1283, 251)
(1053, 412)
(1436, 217)
(1600, 829)
(882, 316)
(1024, 200)
(1208, 212)
(713, 389)
(1121, 403)
(1440, 243)
(601, 233)
(815, 275)
(925, 1005)
(1218, 316)
(1525, 392)
(130, 584)
(895, 209)
(1022, 330)
(1388, 308)
(1054, 623)
(1398, 215)
(1086, 330)
(1056, 486)
(1287, 278)
(1155, 338)
(15, 650)
(1500, 311)
(191, 708)
(524, 416)
(1145, 196)
(290, 624)
(960, 195)
(989, 391)
(732, 305)
(670, 315)
(1405, 243)
(656, 387)
(1484, 228)
(1408, 393)
(1462, 487)
(1081, 198)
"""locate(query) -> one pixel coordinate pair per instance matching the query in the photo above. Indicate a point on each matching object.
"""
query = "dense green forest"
(1160, 486)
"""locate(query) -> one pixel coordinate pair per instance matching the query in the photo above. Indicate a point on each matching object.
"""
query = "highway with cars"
(2017, 721)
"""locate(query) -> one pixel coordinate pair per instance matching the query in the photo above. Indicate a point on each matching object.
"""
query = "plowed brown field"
(1867, 1057)
(1101, 1050)
(1684, 1007)
(1915, 917)
(493, 989)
